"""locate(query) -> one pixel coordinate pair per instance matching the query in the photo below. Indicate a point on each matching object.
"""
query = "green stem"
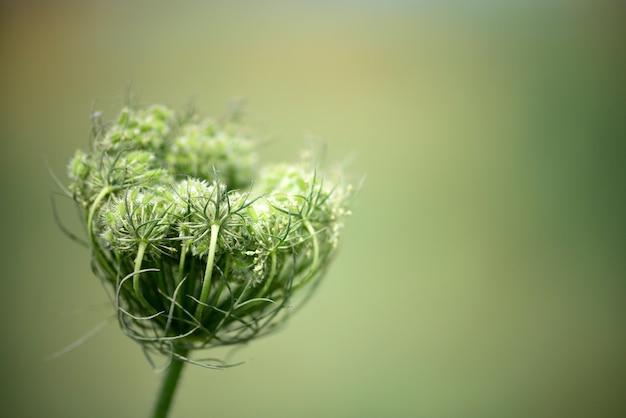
(92, 210)
(181, 275)
(316, 257)
(103, 261)
(206, 283)
(270, 276)
(138, 261)
(168, 385)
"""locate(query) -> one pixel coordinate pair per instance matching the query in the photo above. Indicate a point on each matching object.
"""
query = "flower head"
(197, 247)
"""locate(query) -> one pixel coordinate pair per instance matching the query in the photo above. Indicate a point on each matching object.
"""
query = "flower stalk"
(206, 282)
(169, 384)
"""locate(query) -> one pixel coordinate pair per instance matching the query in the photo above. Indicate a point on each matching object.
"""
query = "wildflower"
(198, 248)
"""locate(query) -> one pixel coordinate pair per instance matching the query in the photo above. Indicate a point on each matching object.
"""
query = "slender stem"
(138, 261)
(206, 284)
(316, 257)
(270, 276)
(92, 210)
(181, 274)
(103, 261)
(169, 383)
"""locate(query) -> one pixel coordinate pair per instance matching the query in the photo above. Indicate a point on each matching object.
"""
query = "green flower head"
(198, 246)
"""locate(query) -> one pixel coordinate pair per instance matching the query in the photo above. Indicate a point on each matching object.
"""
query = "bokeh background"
(483, 271)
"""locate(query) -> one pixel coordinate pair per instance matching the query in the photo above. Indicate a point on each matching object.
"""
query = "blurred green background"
(483, 271)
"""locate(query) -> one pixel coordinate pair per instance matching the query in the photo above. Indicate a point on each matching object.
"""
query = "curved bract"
(199, 246)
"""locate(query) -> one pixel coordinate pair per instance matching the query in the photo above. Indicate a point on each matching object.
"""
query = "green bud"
(79, 170)
(210, 152)
(143, 129)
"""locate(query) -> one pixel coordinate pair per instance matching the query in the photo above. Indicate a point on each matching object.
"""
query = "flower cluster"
(200, 247)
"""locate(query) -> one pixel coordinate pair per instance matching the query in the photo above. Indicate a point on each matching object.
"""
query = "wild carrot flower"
(198, 246)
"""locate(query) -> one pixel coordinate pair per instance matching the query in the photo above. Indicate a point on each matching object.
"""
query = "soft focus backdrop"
(483, 271)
